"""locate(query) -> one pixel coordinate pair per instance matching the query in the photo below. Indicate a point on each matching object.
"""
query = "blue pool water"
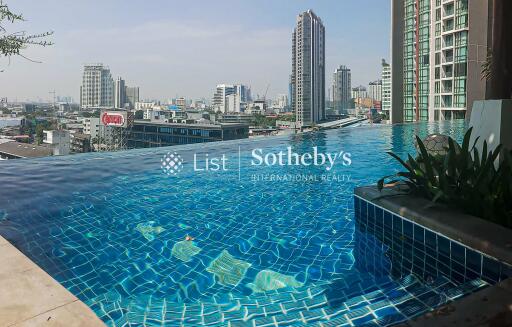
(272, 245)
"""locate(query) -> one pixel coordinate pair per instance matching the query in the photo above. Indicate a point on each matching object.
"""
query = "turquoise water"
(249, 245)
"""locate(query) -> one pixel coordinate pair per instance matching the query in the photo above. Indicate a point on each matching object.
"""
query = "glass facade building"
(431, 57)
(151, 134)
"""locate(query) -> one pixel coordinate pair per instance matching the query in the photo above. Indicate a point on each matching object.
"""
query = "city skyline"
(190, 60)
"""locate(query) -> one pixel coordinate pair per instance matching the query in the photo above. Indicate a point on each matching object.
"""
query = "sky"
(183, 48)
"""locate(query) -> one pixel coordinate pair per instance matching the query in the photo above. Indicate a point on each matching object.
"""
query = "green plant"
(473, 182)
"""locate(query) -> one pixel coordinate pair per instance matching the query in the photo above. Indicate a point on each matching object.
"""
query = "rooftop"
(24, 150)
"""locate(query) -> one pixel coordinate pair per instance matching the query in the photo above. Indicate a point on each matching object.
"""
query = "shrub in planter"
(476, 183)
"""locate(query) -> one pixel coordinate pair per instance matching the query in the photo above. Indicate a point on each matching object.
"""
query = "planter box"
(492, 121)
(430, 240)
(489, 238)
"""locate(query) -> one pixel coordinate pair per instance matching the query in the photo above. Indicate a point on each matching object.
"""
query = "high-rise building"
(341, 87)
(244, 92)
(308, 69)
(375, 90)
(97, 88)
(219, 98)
(119, 93)
(438, 48)
(386, 88)
(132, 96)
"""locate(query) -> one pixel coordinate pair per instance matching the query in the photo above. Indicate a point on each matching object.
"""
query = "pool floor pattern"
(356, 300)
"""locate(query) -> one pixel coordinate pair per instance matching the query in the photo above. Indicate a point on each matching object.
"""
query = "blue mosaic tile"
(446, 269)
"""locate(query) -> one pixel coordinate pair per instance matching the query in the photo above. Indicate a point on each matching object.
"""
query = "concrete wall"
(397, 60)
(480, 13)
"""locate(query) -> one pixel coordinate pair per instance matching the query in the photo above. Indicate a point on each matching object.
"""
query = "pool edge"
(31, 297)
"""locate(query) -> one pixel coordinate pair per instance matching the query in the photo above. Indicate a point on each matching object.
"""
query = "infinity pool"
(144, 244)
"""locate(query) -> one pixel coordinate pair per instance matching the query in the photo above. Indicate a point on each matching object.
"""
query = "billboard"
(117, 118)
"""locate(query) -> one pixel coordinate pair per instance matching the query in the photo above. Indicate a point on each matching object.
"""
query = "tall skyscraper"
(386, 88)
(119, 93)
(341, 88)
(132, 96)
(97, 88)
(308, 69)
(438, 48)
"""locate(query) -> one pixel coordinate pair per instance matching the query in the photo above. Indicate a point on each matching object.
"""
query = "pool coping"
(31, 297)
(491, 305)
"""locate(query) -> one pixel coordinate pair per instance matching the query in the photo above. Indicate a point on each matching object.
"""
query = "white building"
(144, 105)
(59, 140)
(308, 69)
(233, 103)
(359, 92)
(280, 103)
(91, 126)
(375, 90)
(97, 88)
(386, 88)
(219, 98)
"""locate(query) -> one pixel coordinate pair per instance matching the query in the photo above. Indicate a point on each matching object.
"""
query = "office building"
(438, 48)
(119, 93)
(244, 92)
(308, 69)
(341, 87)
(146, 134)
(132, 96)
(219, 98)
(386, 88)
(97, 88)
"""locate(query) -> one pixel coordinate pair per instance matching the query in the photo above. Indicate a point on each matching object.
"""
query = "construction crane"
(265, 95)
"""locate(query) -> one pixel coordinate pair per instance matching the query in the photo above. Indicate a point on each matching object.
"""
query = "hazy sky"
(185, 48)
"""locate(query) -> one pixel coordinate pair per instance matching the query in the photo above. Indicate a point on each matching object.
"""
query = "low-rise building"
(17, 150)
(59, 141)
(80, 143)
(146, 134)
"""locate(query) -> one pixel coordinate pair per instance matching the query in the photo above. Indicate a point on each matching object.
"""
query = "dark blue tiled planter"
(408, 247)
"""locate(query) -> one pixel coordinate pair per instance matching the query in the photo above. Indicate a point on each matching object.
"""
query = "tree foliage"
(12, 44)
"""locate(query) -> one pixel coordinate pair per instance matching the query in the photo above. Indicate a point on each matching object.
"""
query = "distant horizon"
(171, 55)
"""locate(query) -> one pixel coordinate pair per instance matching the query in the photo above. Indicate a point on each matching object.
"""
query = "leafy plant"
(463, 178)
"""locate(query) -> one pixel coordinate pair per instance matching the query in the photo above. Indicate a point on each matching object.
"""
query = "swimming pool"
(144, 242)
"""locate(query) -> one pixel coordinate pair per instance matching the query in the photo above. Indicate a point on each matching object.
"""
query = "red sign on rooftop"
(111, 118)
